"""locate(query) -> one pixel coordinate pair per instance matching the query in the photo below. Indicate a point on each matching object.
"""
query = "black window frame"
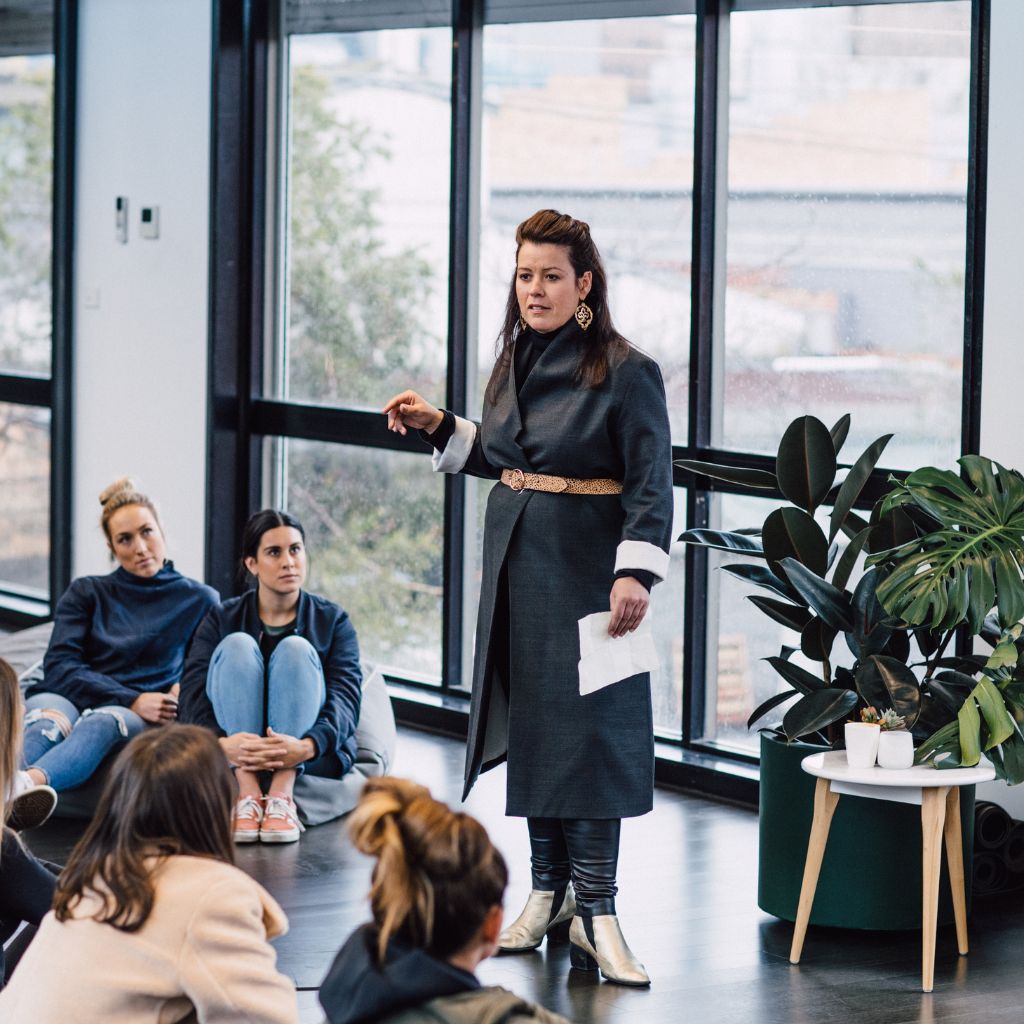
(241, 418)
(54, 391)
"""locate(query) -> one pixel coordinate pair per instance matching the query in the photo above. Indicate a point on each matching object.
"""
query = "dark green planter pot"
(871, 875)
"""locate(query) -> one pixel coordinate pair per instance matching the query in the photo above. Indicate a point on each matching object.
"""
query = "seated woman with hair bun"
(117, 649)
(436, 898)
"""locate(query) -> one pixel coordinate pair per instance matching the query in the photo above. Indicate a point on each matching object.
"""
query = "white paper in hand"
(605, 660)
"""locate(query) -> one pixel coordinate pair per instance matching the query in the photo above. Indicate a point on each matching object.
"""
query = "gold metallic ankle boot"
(598, 942)
(539, 918)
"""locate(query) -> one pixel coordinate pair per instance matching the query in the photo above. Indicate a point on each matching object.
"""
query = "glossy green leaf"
(854, 483)
(772, 702)
(848, 559)
(791, 533)
(797, 677)
(761, 576)
(718, 540)
(831, 604)
(789, 615)
(944, 743)
(758, 479)
(818, 711)
(969, 721)
(816, 640)
(839, 432)
(806, 462)
(1012, 766)
(887, 683)
(872, 628)
(993, 711)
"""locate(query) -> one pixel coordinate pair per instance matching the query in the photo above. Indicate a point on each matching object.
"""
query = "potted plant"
(939, 555)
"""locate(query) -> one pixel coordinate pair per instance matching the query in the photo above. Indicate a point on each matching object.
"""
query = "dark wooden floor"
(688, 907)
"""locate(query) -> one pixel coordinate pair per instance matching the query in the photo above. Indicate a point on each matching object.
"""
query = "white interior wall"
(141, 308)
(1002, 420)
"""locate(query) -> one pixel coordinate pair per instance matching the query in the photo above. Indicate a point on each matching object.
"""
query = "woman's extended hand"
(156, 708)
(629, 601)
(408, 410)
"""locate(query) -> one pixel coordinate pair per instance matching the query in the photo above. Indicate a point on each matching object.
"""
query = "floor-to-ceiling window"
(30, 337)
(781, 195)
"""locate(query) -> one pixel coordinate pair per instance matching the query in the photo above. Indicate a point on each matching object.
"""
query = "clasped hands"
(273, 752)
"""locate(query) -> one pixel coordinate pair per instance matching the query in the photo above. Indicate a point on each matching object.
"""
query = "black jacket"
(413, 987)
(331, 634)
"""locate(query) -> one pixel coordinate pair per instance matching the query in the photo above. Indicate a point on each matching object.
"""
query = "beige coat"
(202, 955)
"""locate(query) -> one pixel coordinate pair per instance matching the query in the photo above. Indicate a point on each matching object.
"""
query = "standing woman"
(575, 427)
(276, 674)
(117, 649)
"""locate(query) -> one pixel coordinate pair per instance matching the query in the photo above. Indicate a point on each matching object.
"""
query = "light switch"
(149, 222)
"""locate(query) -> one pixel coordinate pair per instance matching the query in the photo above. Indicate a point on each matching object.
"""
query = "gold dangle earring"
(584, 315)
(522, 322)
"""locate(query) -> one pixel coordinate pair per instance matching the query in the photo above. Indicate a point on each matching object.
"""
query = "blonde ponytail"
(437, 873)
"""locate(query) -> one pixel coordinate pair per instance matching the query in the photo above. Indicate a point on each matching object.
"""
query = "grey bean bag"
(318, 799)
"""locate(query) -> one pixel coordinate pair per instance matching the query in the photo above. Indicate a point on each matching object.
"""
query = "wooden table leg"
(933, 813)
(955, 860)
(824, 807)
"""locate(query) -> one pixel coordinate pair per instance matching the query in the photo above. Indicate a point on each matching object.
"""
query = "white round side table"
(938, 794)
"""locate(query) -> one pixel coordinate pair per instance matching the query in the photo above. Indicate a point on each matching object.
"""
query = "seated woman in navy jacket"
(275, 673)
(117, 649)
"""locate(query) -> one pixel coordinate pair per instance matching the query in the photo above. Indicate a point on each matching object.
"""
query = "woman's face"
(136, 540)
(280, 562)
(547, 287)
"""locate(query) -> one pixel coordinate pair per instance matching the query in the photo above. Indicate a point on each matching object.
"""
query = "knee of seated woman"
(124, 720)
(61, 726)
(294, 650)
(237, 645)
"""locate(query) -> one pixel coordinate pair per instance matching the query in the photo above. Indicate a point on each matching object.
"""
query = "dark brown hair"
(437, 874)
(120, 494)
(170, 791)
(603, 345)
(257, 525)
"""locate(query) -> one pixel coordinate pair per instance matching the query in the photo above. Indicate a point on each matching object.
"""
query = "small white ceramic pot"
(895, 749)
(861, 744)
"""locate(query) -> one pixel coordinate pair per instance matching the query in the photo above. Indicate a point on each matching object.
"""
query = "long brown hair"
(437, 873)
(170, 791)
(604, 346)
(10, 735)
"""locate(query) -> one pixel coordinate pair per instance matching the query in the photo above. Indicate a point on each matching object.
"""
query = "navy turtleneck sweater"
(120, 635)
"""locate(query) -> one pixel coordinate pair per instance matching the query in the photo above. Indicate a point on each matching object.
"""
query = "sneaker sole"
(279, 837)
(246, 837)
(32, 808)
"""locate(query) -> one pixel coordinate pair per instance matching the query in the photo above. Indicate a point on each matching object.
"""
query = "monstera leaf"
(972, 562)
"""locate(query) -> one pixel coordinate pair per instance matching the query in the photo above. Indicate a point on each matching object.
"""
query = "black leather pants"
(583, 849)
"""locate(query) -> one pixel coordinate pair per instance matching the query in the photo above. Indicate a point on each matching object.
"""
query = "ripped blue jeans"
(69, 758)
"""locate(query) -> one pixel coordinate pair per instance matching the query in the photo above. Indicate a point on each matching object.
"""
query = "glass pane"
(25, 498)
(373, 522)
(26, 174)
(367, 217)
(666, 611)
(846, 226)
(595, 118)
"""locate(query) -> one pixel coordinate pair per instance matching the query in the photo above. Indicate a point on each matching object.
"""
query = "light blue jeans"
(248, 696)
(69, 761)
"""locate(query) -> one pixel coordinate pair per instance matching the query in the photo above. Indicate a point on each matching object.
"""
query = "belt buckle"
(517, 480)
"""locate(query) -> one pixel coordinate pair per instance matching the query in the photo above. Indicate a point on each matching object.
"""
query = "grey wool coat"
(550, 559)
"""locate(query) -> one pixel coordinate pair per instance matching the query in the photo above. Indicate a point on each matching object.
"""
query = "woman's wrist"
(437, 422)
